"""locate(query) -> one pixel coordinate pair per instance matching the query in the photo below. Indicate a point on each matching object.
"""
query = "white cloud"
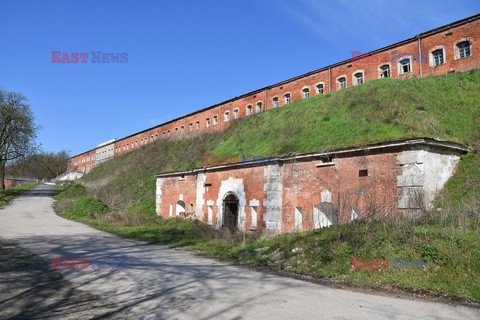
(341, 19)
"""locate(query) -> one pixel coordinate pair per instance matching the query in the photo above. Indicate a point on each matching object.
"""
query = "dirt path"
(161, 283)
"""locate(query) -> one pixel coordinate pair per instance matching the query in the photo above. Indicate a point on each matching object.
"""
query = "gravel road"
(162, 283)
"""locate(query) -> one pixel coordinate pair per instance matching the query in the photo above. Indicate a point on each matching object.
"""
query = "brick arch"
(236, 187)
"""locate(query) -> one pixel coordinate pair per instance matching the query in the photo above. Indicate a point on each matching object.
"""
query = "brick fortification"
(447, 49)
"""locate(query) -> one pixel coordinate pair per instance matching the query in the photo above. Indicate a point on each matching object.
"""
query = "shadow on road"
(41, 191)
(30, 289)
(158, 282)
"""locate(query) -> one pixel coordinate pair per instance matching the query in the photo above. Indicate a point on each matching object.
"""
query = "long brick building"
(451, 48)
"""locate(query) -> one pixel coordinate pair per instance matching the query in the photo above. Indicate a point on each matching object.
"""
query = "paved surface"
(162, 283)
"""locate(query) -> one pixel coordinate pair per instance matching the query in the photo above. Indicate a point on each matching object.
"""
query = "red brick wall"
(171, 190)
(302, 186)
(253, 181)
(13, 183)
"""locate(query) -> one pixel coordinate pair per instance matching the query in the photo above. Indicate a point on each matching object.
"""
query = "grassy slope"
(445, 107)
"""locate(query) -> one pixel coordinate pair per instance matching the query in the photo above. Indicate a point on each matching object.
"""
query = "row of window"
(463, 49)
(404, 65)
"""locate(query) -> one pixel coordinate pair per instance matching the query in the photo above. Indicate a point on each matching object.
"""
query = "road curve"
(162, 283)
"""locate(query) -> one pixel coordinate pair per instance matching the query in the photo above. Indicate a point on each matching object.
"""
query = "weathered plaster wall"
(424, 173)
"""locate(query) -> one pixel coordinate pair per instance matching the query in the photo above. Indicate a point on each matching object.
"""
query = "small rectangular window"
(363, 173)
(385, 71)
(438, 57)
(259, 107)
(306, 92)
(405, 66)
(358, 78)
(275, 102)
(319, 88)
(464, 49)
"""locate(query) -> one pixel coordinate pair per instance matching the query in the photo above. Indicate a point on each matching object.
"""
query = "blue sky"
(183, 55)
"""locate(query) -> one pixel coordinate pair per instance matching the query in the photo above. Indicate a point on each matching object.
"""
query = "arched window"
(235, 114)
(305, 92)
(249, 110)
(275, 102)
(320, 88)
(463, 49)
(226, 116)
(215, 120)
(286, 98)
(404, 65)
(357, 77)
(342, 82)
(384, 71)
(207, 123)
(437, 56)
(259, 107)
(197, 125)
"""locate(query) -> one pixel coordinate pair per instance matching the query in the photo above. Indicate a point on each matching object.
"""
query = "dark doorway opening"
(230, 214)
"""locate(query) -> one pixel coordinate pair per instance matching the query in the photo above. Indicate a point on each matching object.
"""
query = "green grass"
(86, 206)
(7, 195)
(453, 254)
(445, 107)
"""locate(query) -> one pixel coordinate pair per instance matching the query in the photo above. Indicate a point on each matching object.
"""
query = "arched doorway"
(230, 212)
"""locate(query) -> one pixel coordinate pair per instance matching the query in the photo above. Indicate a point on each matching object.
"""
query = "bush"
(72, 191)
(86, 206)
